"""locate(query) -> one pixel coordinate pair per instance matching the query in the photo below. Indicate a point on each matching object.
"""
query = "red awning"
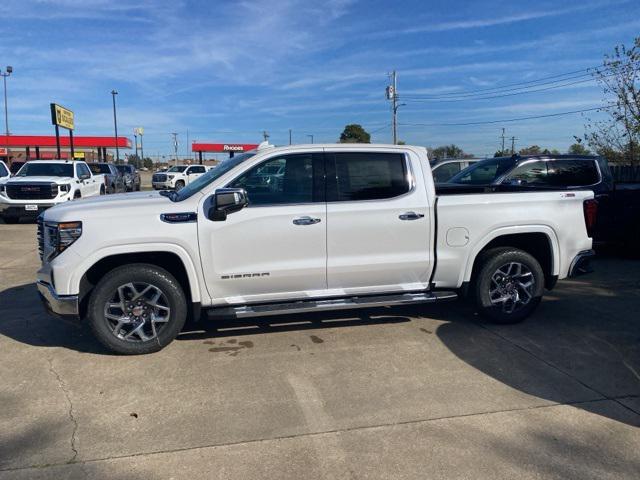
(21, 141)
(223, 147)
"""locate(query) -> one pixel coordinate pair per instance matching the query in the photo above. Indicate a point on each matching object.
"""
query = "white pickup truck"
(176, 178)
(41, 184)
(4, 172)
(304, 228)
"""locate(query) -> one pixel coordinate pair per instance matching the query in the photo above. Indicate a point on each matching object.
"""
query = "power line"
(518, 119)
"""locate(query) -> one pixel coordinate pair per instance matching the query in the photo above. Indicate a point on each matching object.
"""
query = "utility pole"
(175, 146)
(115, 124)
(502, 151)
(289, 136)
(392, 94)
(311, 137)
(135, 140)
(5, 74)
(513, 145)
(265, 135)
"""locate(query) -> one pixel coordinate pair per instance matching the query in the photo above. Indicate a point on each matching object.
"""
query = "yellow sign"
(78, 154)
(61, 116)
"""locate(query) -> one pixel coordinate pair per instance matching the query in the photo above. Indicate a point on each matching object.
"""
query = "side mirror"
(226, 201)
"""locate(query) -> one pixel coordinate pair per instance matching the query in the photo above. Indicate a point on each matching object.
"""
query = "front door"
(275, 248)
(378, 225)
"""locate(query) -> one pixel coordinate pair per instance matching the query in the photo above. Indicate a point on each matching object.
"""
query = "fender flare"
(500, 232)
(180, 252)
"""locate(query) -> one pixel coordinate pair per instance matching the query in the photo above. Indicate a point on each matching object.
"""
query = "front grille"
(40, 237)
(159, 177)
(32, 191)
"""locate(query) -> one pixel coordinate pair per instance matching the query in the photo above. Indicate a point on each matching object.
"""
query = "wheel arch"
(175, 260)
(539, 241)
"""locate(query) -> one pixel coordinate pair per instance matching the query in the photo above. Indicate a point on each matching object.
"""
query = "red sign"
(223, 147)
(3, 152)
(21, 141)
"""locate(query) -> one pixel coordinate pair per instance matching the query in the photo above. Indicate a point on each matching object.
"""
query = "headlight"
(61, 236)
(64, 187)
(170, 177)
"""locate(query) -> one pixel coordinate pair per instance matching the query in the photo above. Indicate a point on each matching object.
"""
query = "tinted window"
(573, 173)
(197, 169)
(445, 171)
(369, 176)
(125, 168)
(3, 171)
(179, 168)
(286, 179)
(36, 169)
(484, 172)
(99, 168)
(83, 170)
(530, 173)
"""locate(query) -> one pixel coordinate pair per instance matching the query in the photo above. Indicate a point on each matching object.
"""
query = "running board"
(301, 306)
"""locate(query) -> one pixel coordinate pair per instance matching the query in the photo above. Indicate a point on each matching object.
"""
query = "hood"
(112, 206)
(58, 180)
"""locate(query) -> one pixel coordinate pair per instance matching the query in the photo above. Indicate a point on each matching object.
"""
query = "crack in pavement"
(64, 389)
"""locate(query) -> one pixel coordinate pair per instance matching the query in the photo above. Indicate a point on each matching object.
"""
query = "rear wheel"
(103, 191)
(508, 286)
(137, 309)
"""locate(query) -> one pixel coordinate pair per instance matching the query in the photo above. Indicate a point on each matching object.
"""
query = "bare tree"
(618, 137)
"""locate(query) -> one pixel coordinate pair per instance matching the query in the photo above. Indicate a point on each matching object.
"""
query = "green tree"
(148, 163)
(579, 149)
(532, 150)
(618, 137)
(448, 151)
(354, 133)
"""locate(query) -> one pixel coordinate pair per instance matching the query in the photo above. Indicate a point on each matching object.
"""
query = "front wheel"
(179, 185)
(137, 309)
(508, 286)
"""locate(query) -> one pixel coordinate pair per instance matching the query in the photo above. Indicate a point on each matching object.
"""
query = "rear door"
(89, 185)
(194, 172)
(378, 225)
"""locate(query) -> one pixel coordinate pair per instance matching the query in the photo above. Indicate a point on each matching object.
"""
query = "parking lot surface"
(421, 392)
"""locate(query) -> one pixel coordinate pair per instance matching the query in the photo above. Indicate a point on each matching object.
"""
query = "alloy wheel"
(512, 287)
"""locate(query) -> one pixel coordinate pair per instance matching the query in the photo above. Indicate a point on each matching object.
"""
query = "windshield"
(35, 169)
(485, 172)
(180, 168)
(212, 175)
(99, 168)
(3, 171)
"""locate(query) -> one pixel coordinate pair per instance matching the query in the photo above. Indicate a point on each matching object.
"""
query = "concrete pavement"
(429, 392)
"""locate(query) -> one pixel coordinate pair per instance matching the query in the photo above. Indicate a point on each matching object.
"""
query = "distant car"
(443, 170)
(131, 177)
(177, 177)
(113, 179)
(4, 171)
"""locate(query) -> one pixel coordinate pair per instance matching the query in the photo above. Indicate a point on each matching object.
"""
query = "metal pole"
(71, 144)
(310, 136)
(289, 136)
(115, 124)
(135, 140)
(141, 149)
(175, 146)
(58, 140)
(395, 109)
(6, 109)
(502, 151)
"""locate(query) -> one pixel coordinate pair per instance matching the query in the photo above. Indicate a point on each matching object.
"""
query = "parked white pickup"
(176, 178)
(41, 184)
(304, 228)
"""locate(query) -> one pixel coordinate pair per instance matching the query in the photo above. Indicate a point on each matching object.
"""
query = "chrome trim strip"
(66, 305)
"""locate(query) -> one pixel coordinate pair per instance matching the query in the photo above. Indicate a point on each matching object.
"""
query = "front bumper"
(19, 209)
(162, 186)
(581, 264)
(67, 306)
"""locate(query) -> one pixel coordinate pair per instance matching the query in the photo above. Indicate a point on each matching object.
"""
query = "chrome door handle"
(306, 221)
(411, 216)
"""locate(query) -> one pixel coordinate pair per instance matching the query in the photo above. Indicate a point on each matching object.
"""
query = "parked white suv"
(176, 178)
(300, 229)
(41, 184)
(4, 172)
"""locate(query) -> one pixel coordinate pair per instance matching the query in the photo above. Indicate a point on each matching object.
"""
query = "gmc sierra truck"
(177, 177)
(40, 184)
(299, 229)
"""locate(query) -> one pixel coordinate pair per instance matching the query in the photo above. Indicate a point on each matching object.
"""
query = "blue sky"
(224, 71)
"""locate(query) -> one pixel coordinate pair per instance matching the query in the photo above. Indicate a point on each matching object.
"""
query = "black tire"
(11, 220)
(77, 195)
(490, 277)
(179, 185)
(138, 188)
(138, 274)
(103, 190)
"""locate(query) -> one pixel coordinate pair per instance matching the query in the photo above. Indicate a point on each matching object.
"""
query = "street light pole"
(9, 71)
(115, 124)
(310, 136)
